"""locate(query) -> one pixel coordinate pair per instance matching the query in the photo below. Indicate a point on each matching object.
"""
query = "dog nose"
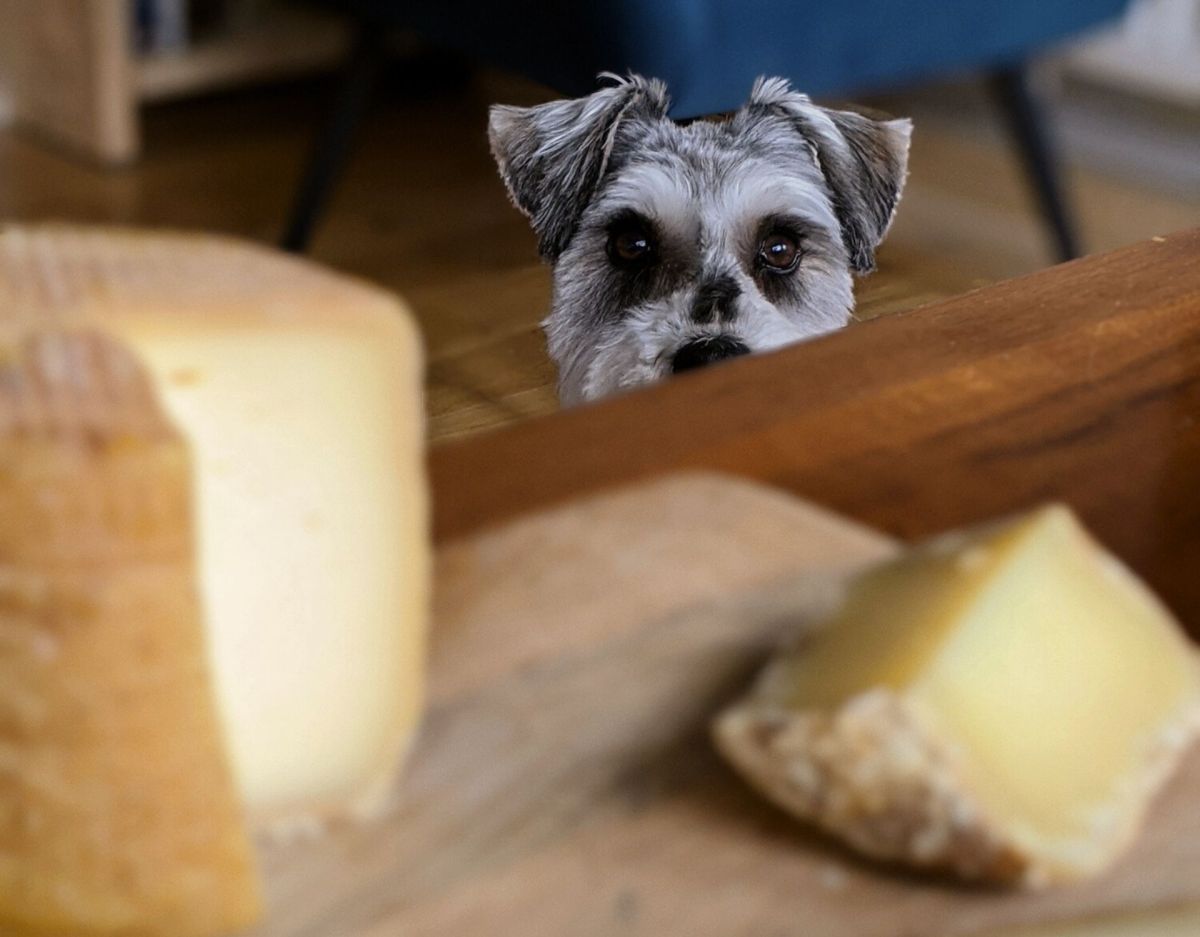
(704, 351)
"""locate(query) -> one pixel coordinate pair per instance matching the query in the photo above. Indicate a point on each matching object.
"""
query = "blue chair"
(710, 51)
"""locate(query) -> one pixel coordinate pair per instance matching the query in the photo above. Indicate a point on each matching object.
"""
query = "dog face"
(676, 245)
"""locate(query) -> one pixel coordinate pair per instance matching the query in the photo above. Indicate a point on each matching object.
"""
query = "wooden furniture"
(68, 69)
(1081, 382)
(564, 782)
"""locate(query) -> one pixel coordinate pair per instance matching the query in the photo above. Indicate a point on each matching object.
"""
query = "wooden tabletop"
(1079, 383)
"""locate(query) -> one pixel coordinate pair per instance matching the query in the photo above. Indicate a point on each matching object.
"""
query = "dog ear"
(553, 156)
(864, 162)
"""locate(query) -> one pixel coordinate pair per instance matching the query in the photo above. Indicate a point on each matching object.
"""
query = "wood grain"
(1080, 383)
(565, 783)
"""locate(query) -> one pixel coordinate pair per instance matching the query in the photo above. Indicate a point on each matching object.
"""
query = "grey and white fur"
(674, 245)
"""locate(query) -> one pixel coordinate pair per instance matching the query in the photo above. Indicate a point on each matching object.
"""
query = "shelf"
(285, 44)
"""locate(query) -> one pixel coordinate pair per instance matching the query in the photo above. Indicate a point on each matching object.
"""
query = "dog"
(675, 245)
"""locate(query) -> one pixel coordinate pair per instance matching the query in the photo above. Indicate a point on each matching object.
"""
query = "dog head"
(676, 245)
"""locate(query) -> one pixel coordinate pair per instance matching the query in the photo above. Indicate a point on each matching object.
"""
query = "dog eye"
(630, 245)
(779, 252)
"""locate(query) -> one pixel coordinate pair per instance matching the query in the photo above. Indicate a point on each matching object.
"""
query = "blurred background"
(355, 133)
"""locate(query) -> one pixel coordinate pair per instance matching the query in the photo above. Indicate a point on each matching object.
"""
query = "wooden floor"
(422, 211)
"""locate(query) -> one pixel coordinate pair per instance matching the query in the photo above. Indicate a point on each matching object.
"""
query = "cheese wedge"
(296, 397)
(1001, 703)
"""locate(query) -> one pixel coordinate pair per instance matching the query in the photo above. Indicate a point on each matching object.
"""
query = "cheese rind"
(1002, 703)
(118, 812)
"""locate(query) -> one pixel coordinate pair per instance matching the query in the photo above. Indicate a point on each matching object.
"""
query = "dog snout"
(704, 351)
(716, 299)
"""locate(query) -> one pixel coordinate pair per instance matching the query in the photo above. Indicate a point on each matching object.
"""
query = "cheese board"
(564, 782)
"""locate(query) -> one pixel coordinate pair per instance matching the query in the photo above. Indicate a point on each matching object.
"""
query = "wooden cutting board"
(564, 783)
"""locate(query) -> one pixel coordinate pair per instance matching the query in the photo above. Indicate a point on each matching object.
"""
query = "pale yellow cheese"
(1002, 703)
(313, 548)
(294, 399)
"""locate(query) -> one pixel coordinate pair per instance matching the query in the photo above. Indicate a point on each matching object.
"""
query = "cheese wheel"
(215, 569)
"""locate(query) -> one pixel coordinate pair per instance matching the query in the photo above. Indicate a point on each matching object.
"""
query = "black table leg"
(331, 149)
(1027, 124)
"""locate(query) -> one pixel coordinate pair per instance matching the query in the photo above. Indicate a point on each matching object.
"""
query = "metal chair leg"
(1027, 124)
(331, 149)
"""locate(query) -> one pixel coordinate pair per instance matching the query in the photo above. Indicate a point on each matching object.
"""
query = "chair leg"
(331, 149)
(1027, 124)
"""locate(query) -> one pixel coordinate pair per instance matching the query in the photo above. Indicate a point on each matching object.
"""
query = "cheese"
(1001, 703)
(117, 808)
(312, 543)
(295, 396)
